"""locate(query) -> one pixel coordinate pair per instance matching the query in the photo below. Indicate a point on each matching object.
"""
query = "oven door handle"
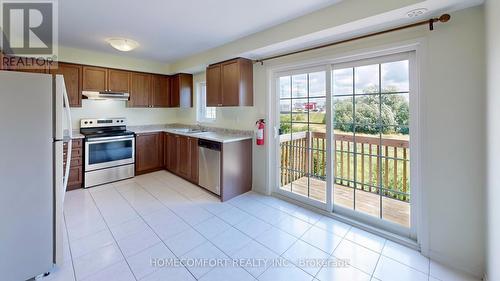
(109, 139)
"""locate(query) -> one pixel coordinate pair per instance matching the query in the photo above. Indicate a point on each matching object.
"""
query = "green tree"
(392, 111)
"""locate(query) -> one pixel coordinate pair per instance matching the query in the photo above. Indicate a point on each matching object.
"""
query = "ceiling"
(170, 30)
(375, 23)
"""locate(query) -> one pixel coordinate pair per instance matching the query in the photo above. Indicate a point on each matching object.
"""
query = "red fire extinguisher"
(260, 131)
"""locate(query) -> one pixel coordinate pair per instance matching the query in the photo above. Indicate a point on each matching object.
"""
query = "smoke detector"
(416, 13)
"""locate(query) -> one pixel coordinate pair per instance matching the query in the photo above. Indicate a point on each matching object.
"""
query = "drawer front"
(75, 153)
(75, 144)
(75, 178)
(75, 162)
(75, 175)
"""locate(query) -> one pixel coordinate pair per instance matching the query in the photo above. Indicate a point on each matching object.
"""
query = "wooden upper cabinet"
(140, 90)
(230, 83)
(72, 74)
(95, 79)
(214, 91)
(233, 81)
(99, 79)
(181, 90)
(161, 91)
(118, 81)
(174, 92)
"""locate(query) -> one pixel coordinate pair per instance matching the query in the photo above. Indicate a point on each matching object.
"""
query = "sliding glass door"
(344, 139)
(302, 135)
(371, 119)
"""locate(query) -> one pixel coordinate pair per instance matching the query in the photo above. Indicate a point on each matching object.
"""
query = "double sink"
(189, 131)
(208, 135)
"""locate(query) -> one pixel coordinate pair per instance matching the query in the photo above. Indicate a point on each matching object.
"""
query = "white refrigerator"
(34, 124)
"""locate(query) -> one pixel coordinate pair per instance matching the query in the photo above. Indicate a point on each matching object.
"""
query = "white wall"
(135, 116)
(493, 121)
(453, 106)
(454, 136)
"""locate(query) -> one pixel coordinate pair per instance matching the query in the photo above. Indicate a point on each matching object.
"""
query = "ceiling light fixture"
(122, 44)
(416, 13)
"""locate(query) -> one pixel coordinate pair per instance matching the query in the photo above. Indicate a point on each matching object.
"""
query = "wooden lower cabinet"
(188, 158)
(148, 152)
(75, 178)
(181, 156)
(193, 154)
(236, 169)
(171, 148)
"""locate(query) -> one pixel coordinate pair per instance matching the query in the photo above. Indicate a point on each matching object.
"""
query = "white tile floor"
(114, 232)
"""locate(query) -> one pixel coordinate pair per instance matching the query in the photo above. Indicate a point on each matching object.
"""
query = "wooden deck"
(392, 210)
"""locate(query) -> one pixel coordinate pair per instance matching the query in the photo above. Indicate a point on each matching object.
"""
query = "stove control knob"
(86, 122)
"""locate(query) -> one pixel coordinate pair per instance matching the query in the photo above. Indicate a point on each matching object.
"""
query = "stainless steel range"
(109, 151)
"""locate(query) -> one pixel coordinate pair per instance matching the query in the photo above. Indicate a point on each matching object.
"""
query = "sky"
(394, 75)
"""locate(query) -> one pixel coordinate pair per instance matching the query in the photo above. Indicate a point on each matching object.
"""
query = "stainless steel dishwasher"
(209, 162)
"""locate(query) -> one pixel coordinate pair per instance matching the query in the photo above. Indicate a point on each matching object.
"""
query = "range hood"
(105, 96)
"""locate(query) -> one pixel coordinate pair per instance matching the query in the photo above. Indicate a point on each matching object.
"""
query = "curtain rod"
(443, 18)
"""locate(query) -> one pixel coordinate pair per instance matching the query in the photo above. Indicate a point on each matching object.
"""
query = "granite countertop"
(76, 135)
(147, 128)
(212, 134)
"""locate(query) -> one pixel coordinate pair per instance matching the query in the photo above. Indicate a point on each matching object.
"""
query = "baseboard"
(372, 229)
(474, 270)
(138, 173)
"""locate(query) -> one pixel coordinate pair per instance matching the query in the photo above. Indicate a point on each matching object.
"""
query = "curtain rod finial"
(444, 18)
